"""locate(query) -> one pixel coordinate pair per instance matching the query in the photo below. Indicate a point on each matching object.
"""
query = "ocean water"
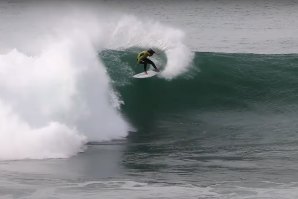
(219, 121)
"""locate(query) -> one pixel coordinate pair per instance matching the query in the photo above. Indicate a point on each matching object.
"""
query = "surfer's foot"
(156, 70)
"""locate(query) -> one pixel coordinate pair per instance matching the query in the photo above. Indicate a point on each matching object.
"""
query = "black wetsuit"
(146, 61)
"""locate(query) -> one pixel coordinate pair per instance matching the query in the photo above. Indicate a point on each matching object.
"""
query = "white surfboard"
(151, 73)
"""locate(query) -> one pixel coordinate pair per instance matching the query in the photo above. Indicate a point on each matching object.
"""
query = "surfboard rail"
(150, 73)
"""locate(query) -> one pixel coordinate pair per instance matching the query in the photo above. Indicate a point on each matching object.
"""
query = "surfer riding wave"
(142, 58)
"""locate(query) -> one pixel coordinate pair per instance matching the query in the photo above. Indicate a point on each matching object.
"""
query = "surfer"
(142, 59)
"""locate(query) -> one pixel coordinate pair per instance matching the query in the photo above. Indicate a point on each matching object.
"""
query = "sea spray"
(55, 92)
(131, 32)
(62, 95)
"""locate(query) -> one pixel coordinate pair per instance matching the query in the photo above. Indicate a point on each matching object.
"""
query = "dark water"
(232, 117)
(225, 129)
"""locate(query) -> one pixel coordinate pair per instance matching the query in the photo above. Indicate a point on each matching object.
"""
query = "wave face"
(218, 83)
(62, 88)
(55, 93)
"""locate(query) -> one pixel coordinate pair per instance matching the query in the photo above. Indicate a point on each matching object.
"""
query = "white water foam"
(55, 93)
(53, 103)
(130, 32)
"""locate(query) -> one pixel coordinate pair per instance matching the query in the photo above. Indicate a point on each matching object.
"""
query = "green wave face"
(215, 82)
